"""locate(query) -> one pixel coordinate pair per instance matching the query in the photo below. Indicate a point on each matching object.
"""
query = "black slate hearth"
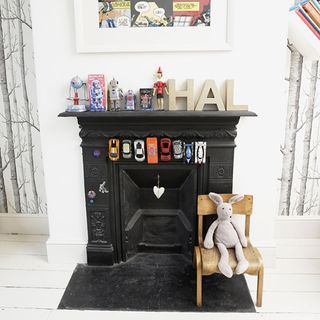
(153, 282)
(126, 219)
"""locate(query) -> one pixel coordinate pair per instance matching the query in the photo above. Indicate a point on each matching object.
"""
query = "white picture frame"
(91, 38)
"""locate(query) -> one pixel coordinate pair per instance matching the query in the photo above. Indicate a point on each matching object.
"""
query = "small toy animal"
(226, 234)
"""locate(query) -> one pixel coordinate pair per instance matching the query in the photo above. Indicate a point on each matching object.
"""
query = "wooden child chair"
(206, 260)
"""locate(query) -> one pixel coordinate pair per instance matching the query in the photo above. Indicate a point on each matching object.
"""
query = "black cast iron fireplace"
(125, 217)
(157, 225)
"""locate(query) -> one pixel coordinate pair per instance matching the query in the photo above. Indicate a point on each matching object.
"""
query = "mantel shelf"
(159, 114)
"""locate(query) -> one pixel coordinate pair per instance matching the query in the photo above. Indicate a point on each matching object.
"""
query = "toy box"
(97, 92)
(146, 99)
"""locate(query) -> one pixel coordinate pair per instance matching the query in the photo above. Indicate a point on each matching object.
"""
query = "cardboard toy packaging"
(97, 92)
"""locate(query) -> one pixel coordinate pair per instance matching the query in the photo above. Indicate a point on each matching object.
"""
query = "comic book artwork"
(114, 14)
(97, 92)
(151, 13)
(191, 13)
(154, 13)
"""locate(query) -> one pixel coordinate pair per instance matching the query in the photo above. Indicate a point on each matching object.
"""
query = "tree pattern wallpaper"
(21, 172)
(300, 177)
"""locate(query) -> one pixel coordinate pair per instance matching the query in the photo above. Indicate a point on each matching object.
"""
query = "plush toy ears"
(236, 198)
(216, 198)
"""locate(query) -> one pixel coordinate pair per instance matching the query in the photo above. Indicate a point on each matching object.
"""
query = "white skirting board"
(297, 228)
(75, 252)
(21, 223)
(66, 251)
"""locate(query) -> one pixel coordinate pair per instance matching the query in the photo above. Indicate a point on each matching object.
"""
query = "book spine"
(309, 25)
(308, 18)
(295, 7)
(312, 13)
(316, 4)
(315, 7)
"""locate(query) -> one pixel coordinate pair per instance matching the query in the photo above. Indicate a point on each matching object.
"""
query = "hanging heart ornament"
(158, 192)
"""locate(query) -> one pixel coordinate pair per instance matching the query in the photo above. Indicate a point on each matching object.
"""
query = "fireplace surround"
(125, 218)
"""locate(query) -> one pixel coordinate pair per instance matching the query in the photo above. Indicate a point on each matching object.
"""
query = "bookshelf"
(304, 28)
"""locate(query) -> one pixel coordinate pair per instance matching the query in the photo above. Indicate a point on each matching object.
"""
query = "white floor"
(30, 288)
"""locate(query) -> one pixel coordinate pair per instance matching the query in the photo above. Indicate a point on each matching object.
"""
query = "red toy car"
(165, 149)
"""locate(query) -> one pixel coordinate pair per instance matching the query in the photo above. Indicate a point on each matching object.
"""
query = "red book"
(312, 13)
(310, 26)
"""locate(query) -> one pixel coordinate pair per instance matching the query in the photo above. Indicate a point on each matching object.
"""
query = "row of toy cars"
(150, 151)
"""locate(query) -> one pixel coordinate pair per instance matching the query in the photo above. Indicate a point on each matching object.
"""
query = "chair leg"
(197, 262)
(260, 287)
(199, 288)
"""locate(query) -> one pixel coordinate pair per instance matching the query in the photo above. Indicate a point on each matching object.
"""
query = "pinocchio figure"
(158, 88)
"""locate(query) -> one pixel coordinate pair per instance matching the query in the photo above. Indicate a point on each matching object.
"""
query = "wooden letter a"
(210, 85)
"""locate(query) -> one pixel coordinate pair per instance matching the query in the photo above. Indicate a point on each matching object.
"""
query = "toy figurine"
(130, 101)
(158, 88)
(97, 92)
(77, 84)
(146, 99)
(115, 95)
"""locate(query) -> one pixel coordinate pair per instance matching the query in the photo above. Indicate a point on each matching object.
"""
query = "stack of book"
(309, 12)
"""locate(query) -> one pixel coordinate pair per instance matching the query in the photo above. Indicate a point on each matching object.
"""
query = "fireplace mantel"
(184, 124)
(170, 116)
(109, 237)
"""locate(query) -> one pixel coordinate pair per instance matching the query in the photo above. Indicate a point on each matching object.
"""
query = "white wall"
(257, 63)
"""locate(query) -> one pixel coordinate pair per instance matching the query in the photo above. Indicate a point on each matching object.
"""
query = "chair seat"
(210, 259)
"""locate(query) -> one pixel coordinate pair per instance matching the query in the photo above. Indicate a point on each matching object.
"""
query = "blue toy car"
(188, 152)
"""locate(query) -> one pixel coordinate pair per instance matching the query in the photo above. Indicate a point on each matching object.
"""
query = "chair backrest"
(207, 207)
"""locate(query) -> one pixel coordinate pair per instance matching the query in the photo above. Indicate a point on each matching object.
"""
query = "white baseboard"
(21, 223)
(65, 252)
(297, 228)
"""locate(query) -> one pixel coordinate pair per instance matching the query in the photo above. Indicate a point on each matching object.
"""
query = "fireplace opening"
(149, 224)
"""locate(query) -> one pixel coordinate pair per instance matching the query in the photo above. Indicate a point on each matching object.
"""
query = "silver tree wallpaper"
(21, 171)
(300, 177)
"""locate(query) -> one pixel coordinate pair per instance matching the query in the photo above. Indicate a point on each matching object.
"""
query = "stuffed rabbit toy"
(226, 235)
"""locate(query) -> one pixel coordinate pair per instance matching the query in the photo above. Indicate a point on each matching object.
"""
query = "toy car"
(126, 149)
(188, 152)
(178, 149)
(165, 149)
(114, 149)
(200, 152)
(152, 150)
(139, 150)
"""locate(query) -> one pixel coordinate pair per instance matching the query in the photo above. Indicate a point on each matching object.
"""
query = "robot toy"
(115, 95)
(130, 101)
(76, 84)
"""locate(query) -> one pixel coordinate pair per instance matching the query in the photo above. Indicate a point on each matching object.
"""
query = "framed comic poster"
(153, 25)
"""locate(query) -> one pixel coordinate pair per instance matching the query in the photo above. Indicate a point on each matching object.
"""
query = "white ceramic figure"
(225, 233)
